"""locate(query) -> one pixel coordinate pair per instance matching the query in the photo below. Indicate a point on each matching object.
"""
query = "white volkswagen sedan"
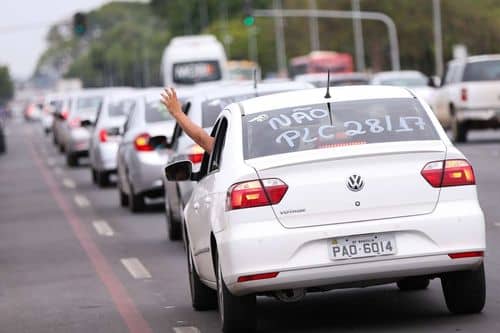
(307, 193)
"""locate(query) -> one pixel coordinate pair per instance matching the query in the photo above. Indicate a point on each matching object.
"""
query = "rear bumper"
(146, 173)
(78, 141)
(479, 117)
(302, 257)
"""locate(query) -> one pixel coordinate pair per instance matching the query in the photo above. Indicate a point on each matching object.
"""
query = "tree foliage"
(6, 85)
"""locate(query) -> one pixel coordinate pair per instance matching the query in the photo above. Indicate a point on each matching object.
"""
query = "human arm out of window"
(195, 132)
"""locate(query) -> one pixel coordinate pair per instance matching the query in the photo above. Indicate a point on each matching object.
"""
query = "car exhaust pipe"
(290, 295)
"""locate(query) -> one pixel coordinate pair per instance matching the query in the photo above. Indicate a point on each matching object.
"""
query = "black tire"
(123, 197)
(102, 178)
(465, 291)
(459, 130)
(135, 201)
(413, 283)
(93, 173)
(61, 148)
(174, 227)
(54, 139)
(202, 297)
(237, 313)
(71, 160)
(3, 147)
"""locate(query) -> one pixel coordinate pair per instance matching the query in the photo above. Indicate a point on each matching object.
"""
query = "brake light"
(103, 135)
(254, 277)
(463, 95)
(449, 173)
(255, 193)
(141, 143)
(471, 254)
(74, 122)
(196, 154)
(65, 114)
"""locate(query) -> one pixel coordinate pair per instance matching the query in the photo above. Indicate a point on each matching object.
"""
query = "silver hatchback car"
(140, 162)
(105, 136)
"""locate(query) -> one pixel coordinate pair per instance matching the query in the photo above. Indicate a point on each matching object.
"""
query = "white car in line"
(306, 193)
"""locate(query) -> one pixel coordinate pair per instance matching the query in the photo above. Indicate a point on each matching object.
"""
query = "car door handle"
(196, 206)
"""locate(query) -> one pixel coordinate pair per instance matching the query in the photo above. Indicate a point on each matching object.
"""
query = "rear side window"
(156, 112)
(482, 71)
(330, 125)
(120, 109)
(88, 106)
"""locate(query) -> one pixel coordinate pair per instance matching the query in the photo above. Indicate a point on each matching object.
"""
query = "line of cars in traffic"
(304, 190)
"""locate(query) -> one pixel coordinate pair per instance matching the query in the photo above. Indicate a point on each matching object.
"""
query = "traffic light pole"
(374, 16)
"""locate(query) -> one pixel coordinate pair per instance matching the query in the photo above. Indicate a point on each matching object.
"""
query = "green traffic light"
(80, 30)
(249, 21)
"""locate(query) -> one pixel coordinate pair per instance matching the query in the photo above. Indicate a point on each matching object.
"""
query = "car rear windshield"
(331, 125)
(482, 71)
(88, 106)
(156, 112)
(416, 81)
(196, 71)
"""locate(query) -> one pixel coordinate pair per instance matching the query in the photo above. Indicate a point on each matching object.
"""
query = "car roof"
(247, 87)
(317, 95)
(314, 77)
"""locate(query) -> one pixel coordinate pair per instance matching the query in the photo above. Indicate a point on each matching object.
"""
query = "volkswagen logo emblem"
(355, 183)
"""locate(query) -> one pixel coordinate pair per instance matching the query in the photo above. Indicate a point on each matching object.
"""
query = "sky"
(24, 25)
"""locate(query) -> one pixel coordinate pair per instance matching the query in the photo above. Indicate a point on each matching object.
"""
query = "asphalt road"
(72, 260)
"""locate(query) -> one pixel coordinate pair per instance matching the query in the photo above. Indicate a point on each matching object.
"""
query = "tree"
(6, 85)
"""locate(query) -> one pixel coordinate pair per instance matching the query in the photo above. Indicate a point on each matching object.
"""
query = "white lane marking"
(497, 224)
(186, 329)
(51, 161)
(169, 307)
(69, 183)
(81, 200)
(103, 228)
(136, 268)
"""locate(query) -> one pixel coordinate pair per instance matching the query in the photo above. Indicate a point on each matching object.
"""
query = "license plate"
(362, 246)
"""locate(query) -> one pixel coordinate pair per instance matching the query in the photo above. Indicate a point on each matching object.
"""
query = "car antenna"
(255, 81)
(327, 95)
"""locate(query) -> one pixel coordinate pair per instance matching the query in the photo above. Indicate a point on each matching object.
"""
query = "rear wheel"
(465, 291)
(71, 160)
(459, 130)
(413, 283)
(123, 195)
(94, 175)
(102, 178)
(61, 148)
(135, 201)
(202, 297)
(237, 313)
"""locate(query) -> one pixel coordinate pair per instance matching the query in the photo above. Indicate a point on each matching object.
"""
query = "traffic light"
(248, 19)
(79, 24)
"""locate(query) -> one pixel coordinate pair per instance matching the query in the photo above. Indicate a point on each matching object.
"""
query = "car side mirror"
(434, 81)
(87, 123)
(179, 171)
(158, 141)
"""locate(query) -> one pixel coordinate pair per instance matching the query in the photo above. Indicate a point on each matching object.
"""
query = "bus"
(321, 62)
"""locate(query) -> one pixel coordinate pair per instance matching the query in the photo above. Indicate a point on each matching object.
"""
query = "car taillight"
(141, 143)
(463, 95)
(103, 135)
(65, 114)
(449, 173)
(196, 154)
(74, 122)
(255, 193)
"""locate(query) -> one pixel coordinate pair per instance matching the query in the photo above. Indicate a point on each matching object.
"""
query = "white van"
(193, 59)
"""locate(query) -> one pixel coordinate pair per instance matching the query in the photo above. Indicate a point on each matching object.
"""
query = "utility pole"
(280, 39)
(358, 36)
(313, 27)
(438, 37)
